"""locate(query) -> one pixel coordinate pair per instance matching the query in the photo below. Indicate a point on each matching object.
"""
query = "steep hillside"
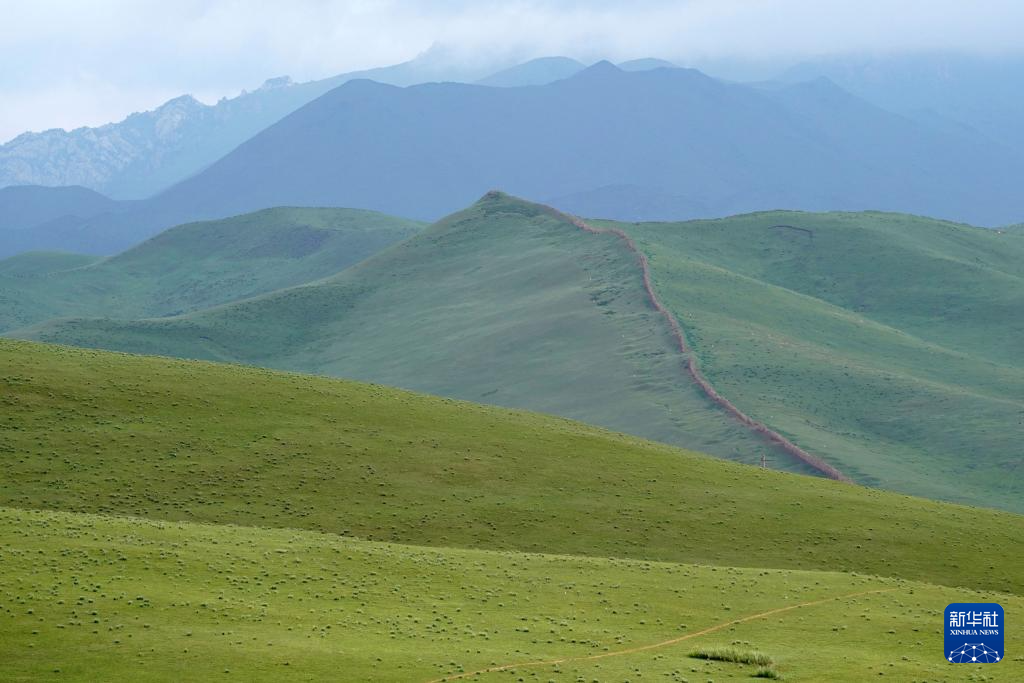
(195, 266)
(504, 303)
(91, 431)
(135, 600)
(887, 344)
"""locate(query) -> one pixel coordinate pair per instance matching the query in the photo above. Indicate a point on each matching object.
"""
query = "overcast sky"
(67, 63)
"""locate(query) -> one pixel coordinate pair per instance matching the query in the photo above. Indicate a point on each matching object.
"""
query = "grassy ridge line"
(503, 303)
(894, 362)
(698, 377)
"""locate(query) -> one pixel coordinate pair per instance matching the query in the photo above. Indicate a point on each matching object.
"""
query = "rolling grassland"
(888, 345)
(195, 266)
(880, 348)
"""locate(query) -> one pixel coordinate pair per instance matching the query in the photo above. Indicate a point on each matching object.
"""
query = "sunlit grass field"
(169, 520)
(85, 597)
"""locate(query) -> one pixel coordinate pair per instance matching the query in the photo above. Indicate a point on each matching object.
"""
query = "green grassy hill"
(195, 266)
(163, 518)
(887, 344)
(505, 303)
(92, 431)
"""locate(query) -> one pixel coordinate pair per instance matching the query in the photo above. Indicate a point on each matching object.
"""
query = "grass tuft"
(731, 654)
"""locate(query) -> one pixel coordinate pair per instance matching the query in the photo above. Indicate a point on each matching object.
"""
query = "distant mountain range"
(655, 144)
(150, 151)
(946, 89)
(664, 143)
(550, 69)
(534, 72)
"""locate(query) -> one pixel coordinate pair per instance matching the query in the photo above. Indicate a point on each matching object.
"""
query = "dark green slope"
(890, 345)
(505, 303)
(196, 265)
(92, 431)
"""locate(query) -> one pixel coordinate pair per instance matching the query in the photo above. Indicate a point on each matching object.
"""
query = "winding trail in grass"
(661, 644)
(694, 371)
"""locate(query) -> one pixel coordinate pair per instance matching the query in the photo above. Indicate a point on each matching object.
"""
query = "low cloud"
(69, 63)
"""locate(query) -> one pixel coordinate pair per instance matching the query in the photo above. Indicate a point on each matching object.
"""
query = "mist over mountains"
(152, 150)
(703, 147)
(149, 151)
(639, 141)
(945, 89)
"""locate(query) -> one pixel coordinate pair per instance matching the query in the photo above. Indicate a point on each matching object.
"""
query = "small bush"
(768, 672)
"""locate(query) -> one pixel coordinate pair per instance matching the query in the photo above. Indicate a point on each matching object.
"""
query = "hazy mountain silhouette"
(539, 71)
(28, 206)
(151, 150)
(656, 144)
(941, 87)
(645, 64)
(424, 151)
